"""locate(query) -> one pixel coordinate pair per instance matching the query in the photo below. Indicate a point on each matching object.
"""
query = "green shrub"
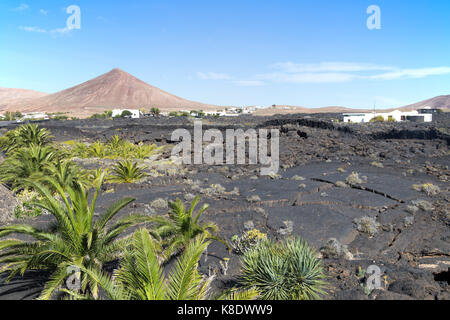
(75, 238)
(287, 270)
(105, 115)
(126, 172)
(24, 136)
(367, 225)
(115, 148)
(354, 179)
(247, 240)
(142, 276)
(182, 225)
(28, 163)
(377, 119)
(428, 188)
(155, 111)
(26, 207)
(391, 119)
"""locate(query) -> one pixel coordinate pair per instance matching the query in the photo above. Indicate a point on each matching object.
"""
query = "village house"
(396, 116)
(135, 114)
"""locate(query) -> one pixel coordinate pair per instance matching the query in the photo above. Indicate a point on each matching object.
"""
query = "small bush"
(275, 176)
(354, 179)
(424, 205)
(367, 225)
(341, 184)
(377, 164)
(377, 119)
(159, 204)
(126, 172)
(287, 270)
(26, 207)
(333, 249)
(427, 188)
(247, 240)
(254, 198)
(412, 209)
(116, 148)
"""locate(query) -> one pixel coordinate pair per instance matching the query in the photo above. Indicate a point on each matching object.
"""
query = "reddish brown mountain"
(115, 89)
(8, 95)
(440, 102)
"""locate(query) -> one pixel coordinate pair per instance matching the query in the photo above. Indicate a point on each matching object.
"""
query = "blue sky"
(235, 52)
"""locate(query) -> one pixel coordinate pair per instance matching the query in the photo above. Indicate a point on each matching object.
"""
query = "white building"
(396, 115)
(135, 114)
(34, 116)
(248, 110)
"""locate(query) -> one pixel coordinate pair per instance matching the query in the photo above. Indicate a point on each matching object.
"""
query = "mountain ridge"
(112, 90)
(119, 89)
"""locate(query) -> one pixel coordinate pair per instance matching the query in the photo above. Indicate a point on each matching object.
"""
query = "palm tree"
(155, 112)
(181, 226)
(126, 172)
(76, 240)
(24, 136)
(141, 276)
(27, 162)
(115, 142)
(67, 173)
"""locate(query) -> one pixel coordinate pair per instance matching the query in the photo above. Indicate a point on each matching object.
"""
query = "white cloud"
(290, 67)
(335, 72)
(327, 72)
(22, 7)
(61, 31)
(44, 12)
(32, 29)
(213, 76)
(249, 83)
(412, 73)
(307, 77)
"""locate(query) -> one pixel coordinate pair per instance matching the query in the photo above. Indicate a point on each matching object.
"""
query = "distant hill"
(9, 95)
(119, 89)
(293, 110)
(115, 89)
(440, 102)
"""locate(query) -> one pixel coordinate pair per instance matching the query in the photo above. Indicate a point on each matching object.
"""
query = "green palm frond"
(185, 281)
(141, 276)
(126, 172)
(182, 225)
(75, 240)
(240, 294)
(25, 136)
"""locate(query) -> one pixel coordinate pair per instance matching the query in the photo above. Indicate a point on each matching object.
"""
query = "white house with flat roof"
(396, 115)
(135, 114)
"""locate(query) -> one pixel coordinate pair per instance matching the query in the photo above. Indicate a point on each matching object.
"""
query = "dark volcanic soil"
(411, 242)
